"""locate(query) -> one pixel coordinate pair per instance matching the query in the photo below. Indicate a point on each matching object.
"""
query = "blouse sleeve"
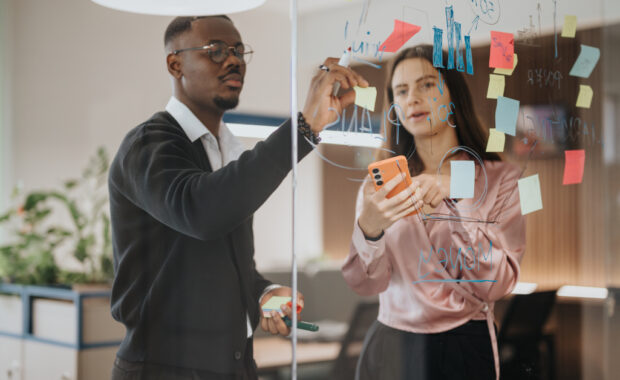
(367, 269)
(494, 271)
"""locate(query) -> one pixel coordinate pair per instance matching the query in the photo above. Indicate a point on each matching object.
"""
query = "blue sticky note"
(586, 62)
(462, 176)
(506, 115)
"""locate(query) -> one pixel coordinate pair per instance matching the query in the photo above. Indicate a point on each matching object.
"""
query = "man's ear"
(174, 64)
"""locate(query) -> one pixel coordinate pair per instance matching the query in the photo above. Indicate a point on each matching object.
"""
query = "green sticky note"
(366, 97)
(496, 141)
(508, 71)
(584, 99)
(529, 194)
(570, 26)
(274, 303)
(496, 86)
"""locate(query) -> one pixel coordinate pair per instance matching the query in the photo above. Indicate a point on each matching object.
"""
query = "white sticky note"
(496, 141)
(366, 97)
(508, 71)
(529, 194)
(497, 83)
(584, 99)
(462, 178)
(570, 26)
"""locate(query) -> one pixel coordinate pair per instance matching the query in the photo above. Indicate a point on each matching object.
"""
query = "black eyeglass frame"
(241, 56)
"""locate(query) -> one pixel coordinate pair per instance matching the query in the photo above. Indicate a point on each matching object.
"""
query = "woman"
(429, 325)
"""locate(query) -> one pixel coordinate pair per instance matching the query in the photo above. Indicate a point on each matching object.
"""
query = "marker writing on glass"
(344, 62)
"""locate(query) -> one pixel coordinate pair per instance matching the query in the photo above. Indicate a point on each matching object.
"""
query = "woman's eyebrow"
(426, 77)
(401, 85)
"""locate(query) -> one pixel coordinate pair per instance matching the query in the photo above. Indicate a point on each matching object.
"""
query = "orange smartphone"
(383, 171)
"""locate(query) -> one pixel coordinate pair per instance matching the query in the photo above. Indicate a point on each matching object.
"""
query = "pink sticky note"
(502, 50)
(402, 32)
(573, 166)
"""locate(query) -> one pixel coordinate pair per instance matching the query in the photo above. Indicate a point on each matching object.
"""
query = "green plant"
(37, 234)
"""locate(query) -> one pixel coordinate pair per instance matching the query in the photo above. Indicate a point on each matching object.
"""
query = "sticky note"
(496, 86)
(496, 141)
(588, 57)
(366, 97)
(508, 71)
(402, 32)
(584, 99)
(506, 114)
(502, 50)
(529, 194)
(274, 303)
(570, 26)
(462, 176)
(574, 161)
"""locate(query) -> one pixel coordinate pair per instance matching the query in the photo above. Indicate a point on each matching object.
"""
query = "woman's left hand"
(432, 188)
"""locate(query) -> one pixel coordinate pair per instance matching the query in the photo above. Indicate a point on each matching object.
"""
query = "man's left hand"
(275, 324)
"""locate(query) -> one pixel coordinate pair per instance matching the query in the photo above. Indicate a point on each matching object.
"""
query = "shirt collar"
(193, 128)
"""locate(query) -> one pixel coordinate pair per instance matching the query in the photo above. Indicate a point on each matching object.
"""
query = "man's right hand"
(321, 107)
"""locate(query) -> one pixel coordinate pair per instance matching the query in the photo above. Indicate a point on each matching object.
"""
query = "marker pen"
(302, 325)
(344, 62)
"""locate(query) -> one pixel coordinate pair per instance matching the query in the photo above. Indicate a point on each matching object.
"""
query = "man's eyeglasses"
(219, 51)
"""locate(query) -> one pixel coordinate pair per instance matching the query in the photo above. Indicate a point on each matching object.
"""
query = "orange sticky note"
(573, 166)
(502, 50)
(402, 32)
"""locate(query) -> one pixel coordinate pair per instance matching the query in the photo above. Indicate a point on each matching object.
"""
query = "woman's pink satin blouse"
(410, 265)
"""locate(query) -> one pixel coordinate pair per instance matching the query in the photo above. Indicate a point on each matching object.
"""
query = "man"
(182, 196)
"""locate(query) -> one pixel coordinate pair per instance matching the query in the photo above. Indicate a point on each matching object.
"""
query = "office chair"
(521, 338)
(363, 317)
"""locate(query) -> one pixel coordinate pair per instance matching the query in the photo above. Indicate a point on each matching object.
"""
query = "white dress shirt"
(220, 154)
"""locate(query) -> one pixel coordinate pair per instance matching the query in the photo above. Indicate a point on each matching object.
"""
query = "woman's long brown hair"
(469, 130)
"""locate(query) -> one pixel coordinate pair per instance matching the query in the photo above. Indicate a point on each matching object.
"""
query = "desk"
(274, 352)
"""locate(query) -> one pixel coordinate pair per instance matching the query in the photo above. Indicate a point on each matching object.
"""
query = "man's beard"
(226, 103)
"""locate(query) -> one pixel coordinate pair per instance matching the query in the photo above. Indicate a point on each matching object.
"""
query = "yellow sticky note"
(529, 194)
(496, 86)
(584, 99)
(508, 71)
(366, 97)
(570, 26)
(496, 141)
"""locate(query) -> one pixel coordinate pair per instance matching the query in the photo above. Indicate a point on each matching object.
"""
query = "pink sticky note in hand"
(573, 166)
(402, 32)
(502, 50)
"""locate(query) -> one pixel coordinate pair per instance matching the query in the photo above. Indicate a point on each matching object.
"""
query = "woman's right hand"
(379, 212)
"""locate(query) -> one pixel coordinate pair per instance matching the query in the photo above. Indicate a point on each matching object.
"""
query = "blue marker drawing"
(470, 58)
(437, 42)
(450, 27)
(460, 65)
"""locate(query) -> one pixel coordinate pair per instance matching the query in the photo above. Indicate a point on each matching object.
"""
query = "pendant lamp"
(181, 7)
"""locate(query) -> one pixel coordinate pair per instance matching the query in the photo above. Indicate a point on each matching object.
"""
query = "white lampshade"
(181, 7)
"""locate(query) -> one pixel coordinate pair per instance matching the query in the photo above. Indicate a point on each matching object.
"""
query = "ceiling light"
(181, 7)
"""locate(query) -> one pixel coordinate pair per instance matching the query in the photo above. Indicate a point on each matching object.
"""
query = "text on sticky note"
(585, 63)
(502, 50)
(508, 72)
